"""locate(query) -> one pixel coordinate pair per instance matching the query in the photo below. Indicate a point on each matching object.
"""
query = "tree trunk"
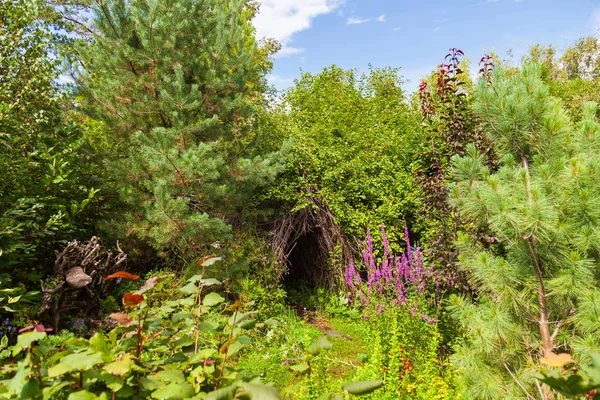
(547, 342)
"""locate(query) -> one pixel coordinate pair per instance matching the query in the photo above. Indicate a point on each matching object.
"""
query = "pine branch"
(560, 323)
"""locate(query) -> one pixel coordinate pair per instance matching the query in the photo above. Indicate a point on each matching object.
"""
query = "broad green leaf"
(188, 301)
(183, 342)
(190, 288)
(114, 383)
(149, 384)
(234, 348)
(244, 339)
(206, 282)
(212, 299)
(322, 344)
(125, 391)
(207, 353)
(225, 393)
(82, 395)
(75, 362)
(174, 390)
(183, 315)
(25, 340)
(99, 343)
(210, 282)
(208, 326)
(120, 367)
(16, 384)
(169, 376)
(364, 387)
(248, 324)
(50, 392)
(253, 391)
(300, 368)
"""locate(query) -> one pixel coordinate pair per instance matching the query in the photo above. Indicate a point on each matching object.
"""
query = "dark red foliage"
(451, 126)
(124, 275)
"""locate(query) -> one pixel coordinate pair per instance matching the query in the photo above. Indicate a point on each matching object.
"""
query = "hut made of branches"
(312, 246)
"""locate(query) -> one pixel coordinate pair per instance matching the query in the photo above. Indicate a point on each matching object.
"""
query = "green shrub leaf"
(363, 387)
(317, 347)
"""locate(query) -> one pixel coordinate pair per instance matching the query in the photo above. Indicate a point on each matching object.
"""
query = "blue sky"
(414, 35)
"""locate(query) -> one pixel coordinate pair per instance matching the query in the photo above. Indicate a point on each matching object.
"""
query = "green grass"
(278, 347)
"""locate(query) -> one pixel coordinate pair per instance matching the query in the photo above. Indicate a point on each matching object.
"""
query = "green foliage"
(177, 83)
(352, 144)
(449, 125)
(404, 352)
(181, 348)
(574, 75)
(46, 191)
(536, 271)
(585, 381)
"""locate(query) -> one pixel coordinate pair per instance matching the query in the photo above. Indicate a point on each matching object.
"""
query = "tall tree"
(46, 174)
(574, 75)
(177, 82)
(449, 125)
(537, 281)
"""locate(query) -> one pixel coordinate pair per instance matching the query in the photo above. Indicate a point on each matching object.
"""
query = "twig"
(518, 383)
(559, 324)
(539, 387)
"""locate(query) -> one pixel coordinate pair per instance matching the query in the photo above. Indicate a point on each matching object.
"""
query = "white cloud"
(279, 82)
(397, 28)
(280, 19)
(492, 1)
(356, 21)
(437, 28)
(381, 18)
(287, 51)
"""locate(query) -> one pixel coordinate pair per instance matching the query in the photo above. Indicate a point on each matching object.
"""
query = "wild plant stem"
(199, 313)
(229, 343)
(139, 334)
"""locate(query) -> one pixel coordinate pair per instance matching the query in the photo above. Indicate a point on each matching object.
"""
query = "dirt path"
(310, 318)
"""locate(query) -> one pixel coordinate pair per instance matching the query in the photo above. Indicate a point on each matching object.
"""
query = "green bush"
(404, 353)
(353, 143)
(47, 190)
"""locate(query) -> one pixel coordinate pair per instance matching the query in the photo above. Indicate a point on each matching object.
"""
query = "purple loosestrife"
(397, 278)
(426, 318)
(349, 275)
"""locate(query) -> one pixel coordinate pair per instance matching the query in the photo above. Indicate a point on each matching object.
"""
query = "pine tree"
(177, 81)
(537, 279)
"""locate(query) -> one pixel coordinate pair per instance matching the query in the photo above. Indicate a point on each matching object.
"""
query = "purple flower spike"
(393, 280)
(426, 318)
(350, 272)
